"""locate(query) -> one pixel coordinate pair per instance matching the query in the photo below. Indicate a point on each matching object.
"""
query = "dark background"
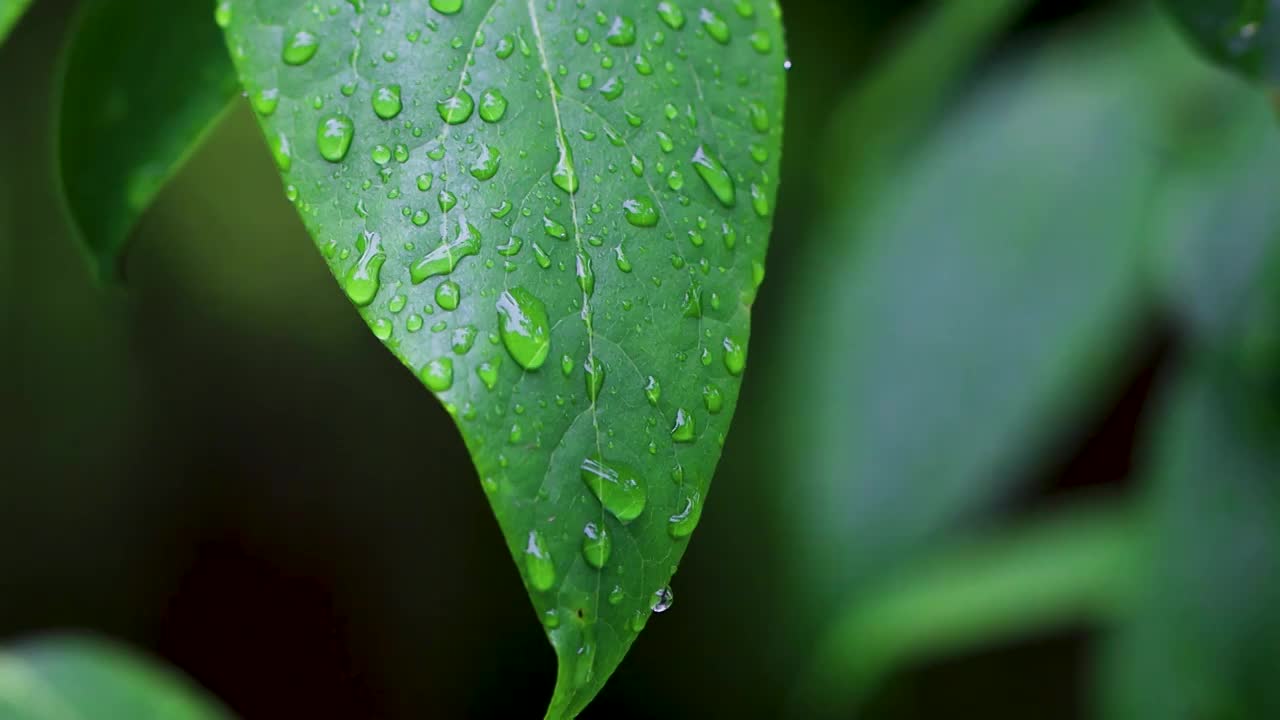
(256, 491)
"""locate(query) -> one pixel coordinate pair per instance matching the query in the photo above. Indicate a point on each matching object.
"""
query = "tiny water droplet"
(524, 327)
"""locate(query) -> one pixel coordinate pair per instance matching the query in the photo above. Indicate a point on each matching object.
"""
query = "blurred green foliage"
(949, 485)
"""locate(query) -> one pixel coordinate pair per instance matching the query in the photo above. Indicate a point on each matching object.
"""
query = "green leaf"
(1241, 34)
(1075, 566)
(984, 303)
(1218, 263)
(10, 12)
(557, 217)
(1204, 638)
(65, 677)
(885, 114)
(143, 82)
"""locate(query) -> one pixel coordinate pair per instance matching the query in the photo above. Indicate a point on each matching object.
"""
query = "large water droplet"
(565, 176)
(493, 105)
(622, 32)
(715, 176)
(448, 295)
(524, 327)
(596, 544)
(438, 374)
(619, 489)
(759, 200)
(333, 137)
(595, 372)
(585, 274)
(663, 600)
(681, 524)
(445, 258)
(715, 25)
(640, 211)
(486, 163)
(685, 429)
(671, 14)
(300, 47)
(735, 356)
(446, 7)
(652, 390)
(538, 564)
(361, 281)
(386, 101)
(457, 108)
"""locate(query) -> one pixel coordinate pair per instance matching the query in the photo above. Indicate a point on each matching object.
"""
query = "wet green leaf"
(143, 81)
(10, 12)
(64, 677)
(1241, 34)
(556, 216)
(1204, 638)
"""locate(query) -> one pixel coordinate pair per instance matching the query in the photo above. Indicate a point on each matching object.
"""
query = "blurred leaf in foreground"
(66, 677)
(143, 82)
(1241, 34)
(991, 295)
(10, 12)
(1204, 640)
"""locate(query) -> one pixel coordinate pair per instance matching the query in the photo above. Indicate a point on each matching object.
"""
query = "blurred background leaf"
(143, 82)
(63, 677)
(1073, 567)
(990, 296)
(1243, 35)
(1203, 640)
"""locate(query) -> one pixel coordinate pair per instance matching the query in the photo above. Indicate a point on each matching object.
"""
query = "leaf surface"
(556, 215)
(143, 81)
(66, 677)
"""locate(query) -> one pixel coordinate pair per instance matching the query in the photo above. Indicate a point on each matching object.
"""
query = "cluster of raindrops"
(652, 187)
